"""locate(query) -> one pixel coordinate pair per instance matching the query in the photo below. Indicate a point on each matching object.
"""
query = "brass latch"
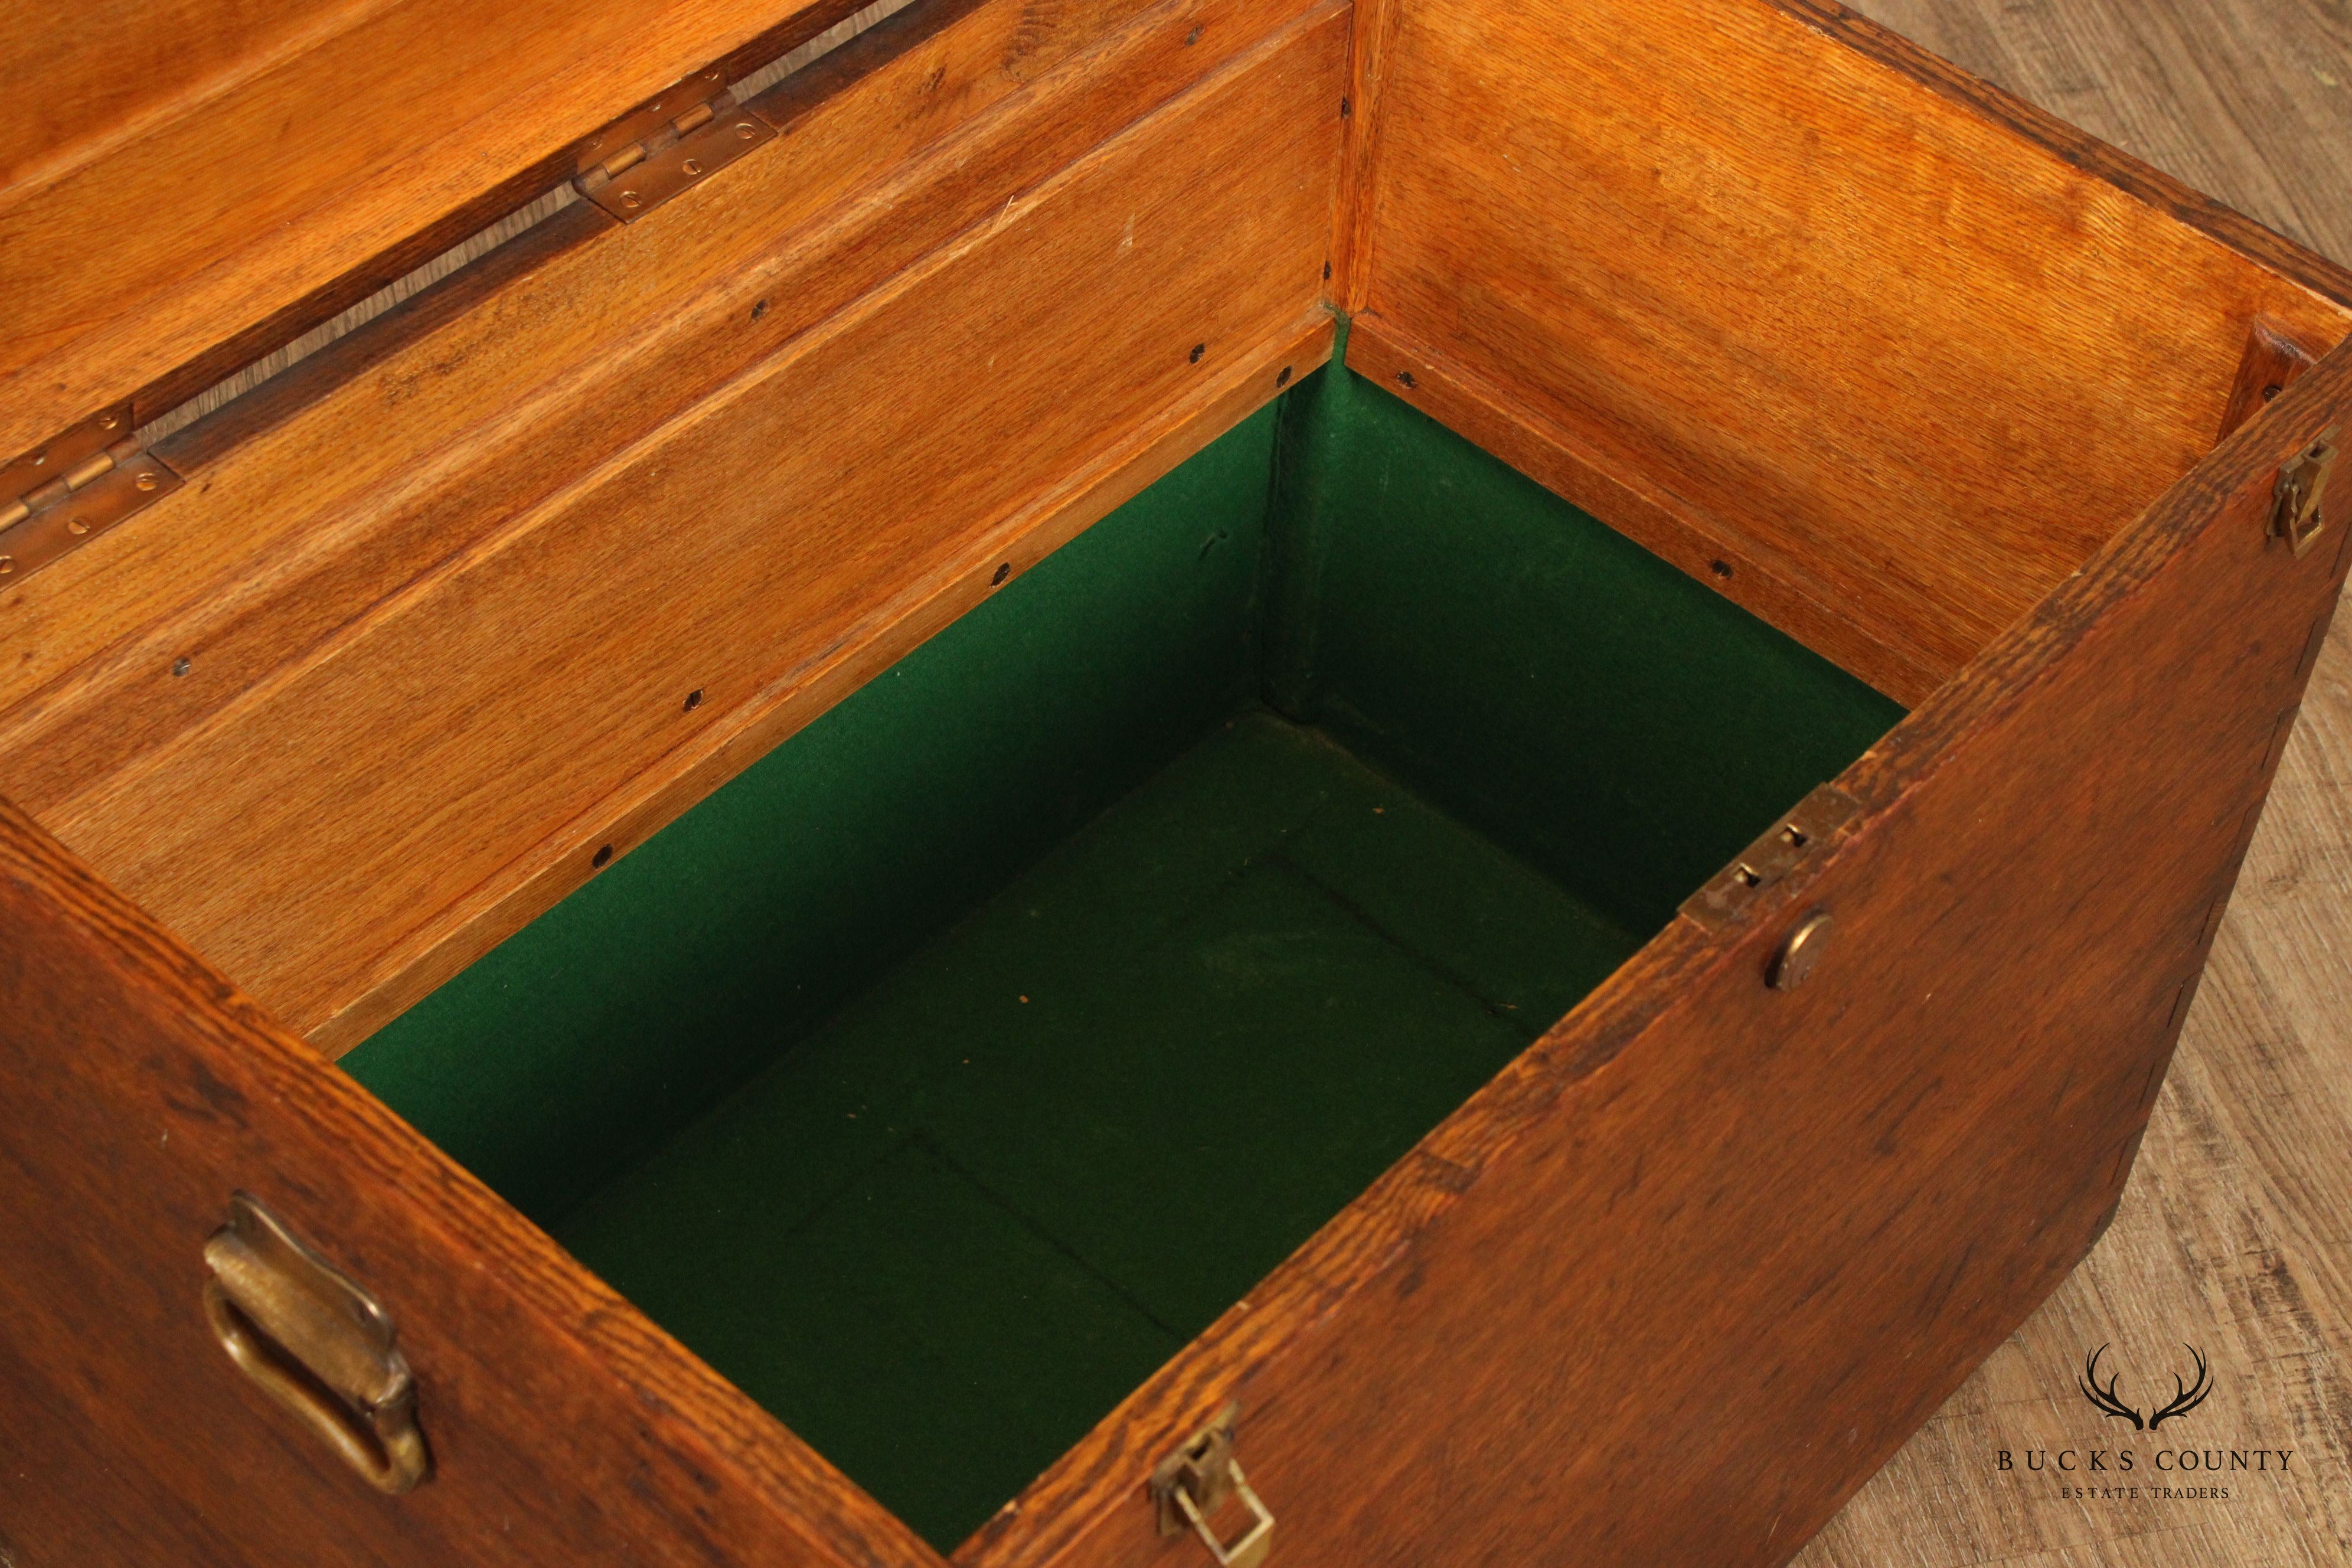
(674, 140)
(2302, 487)
(1192, 1483)
(72, 488)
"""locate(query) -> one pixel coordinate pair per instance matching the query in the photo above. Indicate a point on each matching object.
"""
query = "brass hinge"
(676, 140)
(1772, 856)
(2302, 487)
(1192, 1483)
(74, 486)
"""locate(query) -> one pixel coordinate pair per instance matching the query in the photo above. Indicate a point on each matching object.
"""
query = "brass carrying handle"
(315, 1342)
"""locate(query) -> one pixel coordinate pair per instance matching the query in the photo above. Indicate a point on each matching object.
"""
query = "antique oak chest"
(1101, 782)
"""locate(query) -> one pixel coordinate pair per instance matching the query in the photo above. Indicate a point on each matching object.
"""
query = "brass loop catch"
(1192, 1483)
(316, 1342)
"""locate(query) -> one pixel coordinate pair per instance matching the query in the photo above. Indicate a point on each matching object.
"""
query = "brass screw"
(110, 421)
(8, 564)
(629, 199)
(692, 167)
(76, 526)
(147, 480)
(743, 130)
(38, 459)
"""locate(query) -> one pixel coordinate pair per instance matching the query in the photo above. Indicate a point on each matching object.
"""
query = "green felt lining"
(945, 1072)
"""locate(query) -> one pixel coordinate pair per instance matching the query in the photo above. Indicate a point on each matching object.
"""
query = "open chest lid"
(185, 187)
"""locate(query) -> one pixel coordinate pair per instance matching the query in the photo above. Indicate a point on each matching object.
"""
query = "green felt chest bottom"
(942, 1075)
(949, 1232)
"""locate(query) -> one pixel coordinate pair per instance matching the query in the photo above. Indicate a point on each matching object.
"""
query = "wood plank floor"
(2236, 1234)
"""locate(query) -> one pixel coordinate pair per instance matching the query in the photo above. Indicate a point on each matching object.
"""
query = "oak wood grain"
(1767, 1249)
(83, 71)
(2248, 99)
(404, 442)
(157, 230)
(1644, 1116)
(1352, 217)
(1775, 586)
(2273, 362)
(143, 1090)
(467, 929)
(962, 334)
(2235, 1231)
(251, 372)
(1739, 258)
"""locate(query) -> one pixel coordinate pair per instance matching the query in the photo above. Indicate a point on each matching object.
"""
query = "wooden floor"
(2236, 1234)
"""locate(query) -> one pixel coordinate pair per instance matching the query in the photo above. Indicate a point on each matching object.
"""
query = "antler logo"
(2186, 1397)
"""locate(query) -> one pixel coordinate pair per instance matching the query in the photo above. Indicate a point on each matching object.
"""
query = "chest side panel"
(1835, 338)
(1689, 1272)
(142, 1091)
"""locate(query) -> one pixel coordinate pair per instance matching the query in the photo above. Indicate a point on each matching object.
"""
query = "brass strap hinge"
(676, 140)
(2302, 491)
(1191, 1484)
(74, 486)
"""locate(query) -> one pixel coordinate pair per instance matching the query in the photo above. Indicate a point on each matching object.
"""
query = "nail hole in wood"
(181, 666)
(1720, 568)
(1326, 272)
(1002, 574)
(1198, 350)
(759, 309)
(2269, 393)
(694, 699)
(1406, 376)
(1191, 37)
(1282, 376)
(602, 857)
